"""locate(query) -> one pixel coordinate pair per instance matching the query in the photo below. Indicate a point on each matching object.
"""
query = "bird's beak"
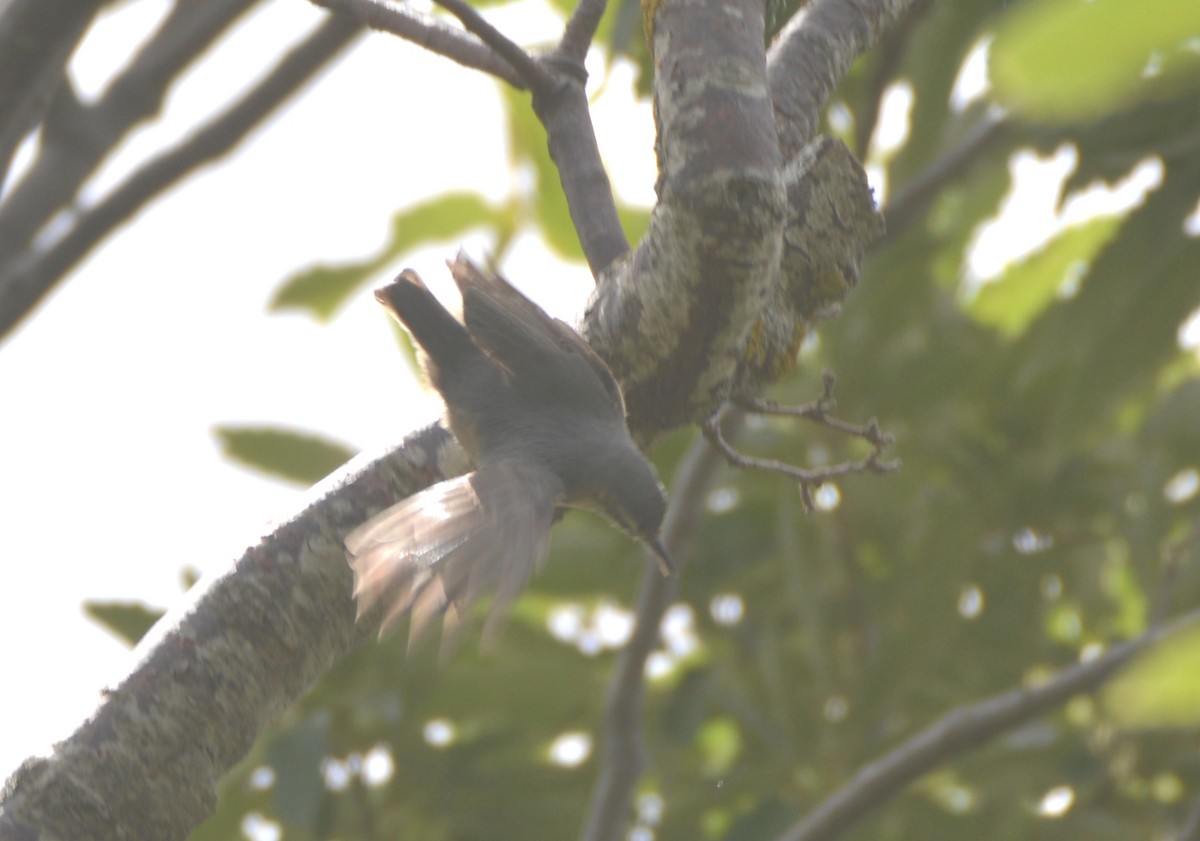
(665, 563)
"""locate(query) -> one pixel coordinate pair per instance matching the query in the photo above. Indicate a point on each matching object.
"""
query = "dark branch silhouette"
(30, 276)
(959, 730)
(430, 33)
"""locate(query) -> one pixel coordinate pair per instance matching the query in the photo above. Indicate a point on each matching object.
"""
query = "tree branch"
(557, 82)
(76, 138)
(581, 29)
(32, 274)
(812, 54)
(535, 76)
(673, 319)
(430, 33)
(808, 478)
(623, 754)
(36, 39)
(959, 730)
(912, 200)
(219, 669)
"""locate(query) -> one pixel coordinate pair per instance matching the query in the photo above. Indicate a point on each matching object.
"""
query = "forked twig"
(818, 411)
(537, 77)
(433, 34)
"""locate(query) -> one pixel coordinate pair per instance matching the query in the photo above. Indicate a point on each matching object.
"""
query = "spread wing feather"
(440, 550)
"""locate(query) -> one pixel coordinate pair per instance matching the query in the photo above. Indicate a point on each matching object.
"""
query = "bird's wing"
(520, 336)
(441, 549)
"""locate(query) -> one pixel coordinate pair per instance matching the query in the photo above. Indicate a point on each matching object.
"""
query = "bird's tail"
(442, 337)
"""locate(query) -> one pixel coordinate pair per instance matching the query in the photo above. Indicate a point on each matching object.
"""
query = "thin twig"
(910, 201)
(33, 274)
(959, 730)
(527, 67)
(818, 412)
(808, 478)
(581, 29)
(430, 33)
(623, 754)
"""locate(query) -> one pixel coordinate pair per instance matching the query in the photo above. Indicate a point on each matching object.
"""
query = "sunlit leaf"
(1027, 288)
(1068, 59)
(299, 457)
(321, 290)
(1161, 688)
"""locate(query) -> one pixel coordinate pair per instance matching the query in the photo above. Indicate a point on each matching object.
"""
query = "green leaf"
(128, 620)
(1027, 288)
(322, 289)
(296, 456)
(1100, 349)
(1161, 687)
(1068, 59)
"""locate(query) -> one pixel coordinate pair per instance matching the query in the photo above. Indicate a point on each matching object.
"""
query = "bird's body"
(543, 421)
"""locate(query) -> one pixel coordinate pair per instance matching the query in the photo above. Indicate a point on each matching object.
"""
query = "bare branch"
(29, 277)
(536, 77)
(557, 81)
(581, 29)
(818, 412)
(959, 730)
(912, 200)
(36, 39)
(571, 138)
(623, 754)
(75, 137)
(430, 33)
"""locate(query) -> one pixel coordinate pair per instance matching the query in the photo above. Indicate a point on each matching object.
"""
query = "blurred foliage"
(1043, 60)
(322, 290)
(1161, 689)
(1049, 424)
(299, 457)
(129, 621)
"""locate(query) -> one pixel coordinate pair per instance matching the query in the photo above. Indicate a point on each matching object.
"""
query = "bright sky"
(112, 480)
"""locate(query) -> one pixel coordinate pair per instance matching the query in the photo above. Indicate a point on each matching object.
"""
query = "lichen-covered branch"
(672, 319)
(217, 670)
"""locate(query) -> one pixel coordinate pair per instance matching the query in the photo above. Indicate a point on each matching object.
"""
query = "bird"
(542, 419)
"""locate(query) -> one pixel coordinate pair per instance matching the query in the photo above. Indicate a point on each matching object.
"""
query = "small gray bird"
(543, 421)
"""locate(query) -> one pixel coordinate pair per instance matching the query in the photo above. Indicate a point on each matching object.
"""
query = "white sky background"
(111, 481)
